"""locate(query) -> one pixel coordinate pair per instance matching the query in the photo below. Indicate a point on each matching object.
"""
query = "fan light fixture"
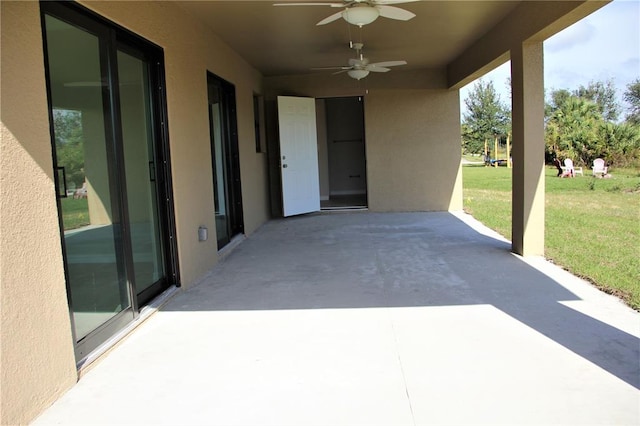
(358, 74)
(360, 15)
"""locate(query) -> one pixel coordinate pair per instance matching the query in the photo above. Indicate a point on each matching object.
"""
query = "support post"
(487, 158)
(527, 226)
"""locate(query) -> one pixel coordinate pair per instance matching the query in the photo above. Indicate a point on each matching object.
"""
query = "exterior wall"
(412, 135)
(38, 362)
(191, 49)
(413, 150)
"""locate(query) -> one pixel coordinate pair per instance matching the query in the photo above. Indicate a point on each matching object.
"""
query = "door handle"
(62, 186)
(152, 171)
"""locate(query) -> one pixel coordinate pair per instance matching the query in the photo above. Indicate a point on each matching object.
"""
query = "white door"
(298, 155)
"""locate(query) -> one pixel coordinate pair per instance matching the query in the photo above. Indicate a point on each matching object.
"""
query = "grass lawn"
(592, 226)
(75, 213)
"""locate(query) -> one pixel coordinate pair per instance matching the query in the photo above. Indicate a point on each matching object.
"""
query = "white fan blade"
(331, 18)
(340, 72)
(389, 64)
(331, 68)
(375, 68)
(310, 4)
(393, 12)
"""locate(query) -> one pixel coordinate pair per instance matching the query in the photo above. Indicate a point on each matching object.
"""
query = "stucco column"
(527, 232)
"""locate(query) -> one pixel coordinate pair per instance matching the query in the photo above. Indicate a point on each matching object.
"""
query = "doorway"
(225, 159)
(110, 156)
(342, 155)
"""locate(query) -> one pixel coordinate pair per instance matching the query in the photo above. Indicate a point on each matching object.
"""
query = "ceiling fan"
(362, 12)
(360, 67)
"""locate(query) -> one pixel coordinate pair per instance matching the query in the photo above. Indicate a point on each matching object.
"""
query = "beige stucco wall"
(528, 194)
(413, 150)
(191, 49)
(412, 134)
(37, 362)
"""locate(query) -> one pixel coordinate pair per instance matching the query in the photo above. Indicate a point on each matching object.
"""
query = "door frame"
(326, 101)
(233, 182)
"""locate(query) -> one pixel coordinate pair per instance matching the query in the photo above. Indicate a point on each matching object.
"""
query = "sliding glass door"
(110, 162)
(225, 158)
(138, 138)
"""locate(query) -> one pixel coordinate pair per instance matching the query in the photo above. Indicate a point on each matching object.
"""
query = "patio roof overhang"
(460, 39)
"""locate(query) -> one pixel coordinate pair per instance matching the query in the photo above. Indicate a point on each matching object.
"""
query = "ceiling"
(286, 40)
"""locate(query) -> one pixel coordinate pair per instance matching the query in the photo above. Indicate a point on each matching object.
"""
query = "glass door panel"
(216, 122)
(140, 170)
(84, 160)
(111, 167)
(227, 190)
(219, 176)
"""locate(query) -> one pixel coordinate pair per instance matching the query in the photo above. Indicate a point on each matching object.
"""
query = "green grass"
(592, 226)
(75, 213)
(472, 158)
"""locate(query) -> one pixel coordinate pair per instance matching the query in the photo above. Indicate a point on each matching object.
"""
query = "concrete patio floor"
(372, 319)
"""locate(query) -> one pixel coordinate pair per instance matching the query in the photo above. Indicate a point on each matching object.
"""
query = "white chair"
(599, 169)
(81, 192)
(568, 170)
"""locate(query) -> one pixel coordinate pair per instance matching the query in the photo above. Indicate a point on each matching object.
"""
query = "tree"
(602, 94)
(621, 144)
(572, 128)
(576, 129)
(632, 96)
(558, 97)
(486, 117)
(69, 144)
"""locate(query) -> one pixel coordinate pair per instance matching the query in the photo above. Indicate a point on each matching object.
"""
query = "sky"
(603, 46)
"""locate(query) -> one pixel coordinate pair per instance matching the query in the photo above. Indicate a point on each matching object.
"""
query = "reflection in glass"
(142, 203)
(94, 267)
(216, 120)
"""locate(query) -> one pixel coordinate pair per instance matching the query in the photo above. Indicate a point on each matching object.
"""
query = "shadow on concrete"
(366, 260)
